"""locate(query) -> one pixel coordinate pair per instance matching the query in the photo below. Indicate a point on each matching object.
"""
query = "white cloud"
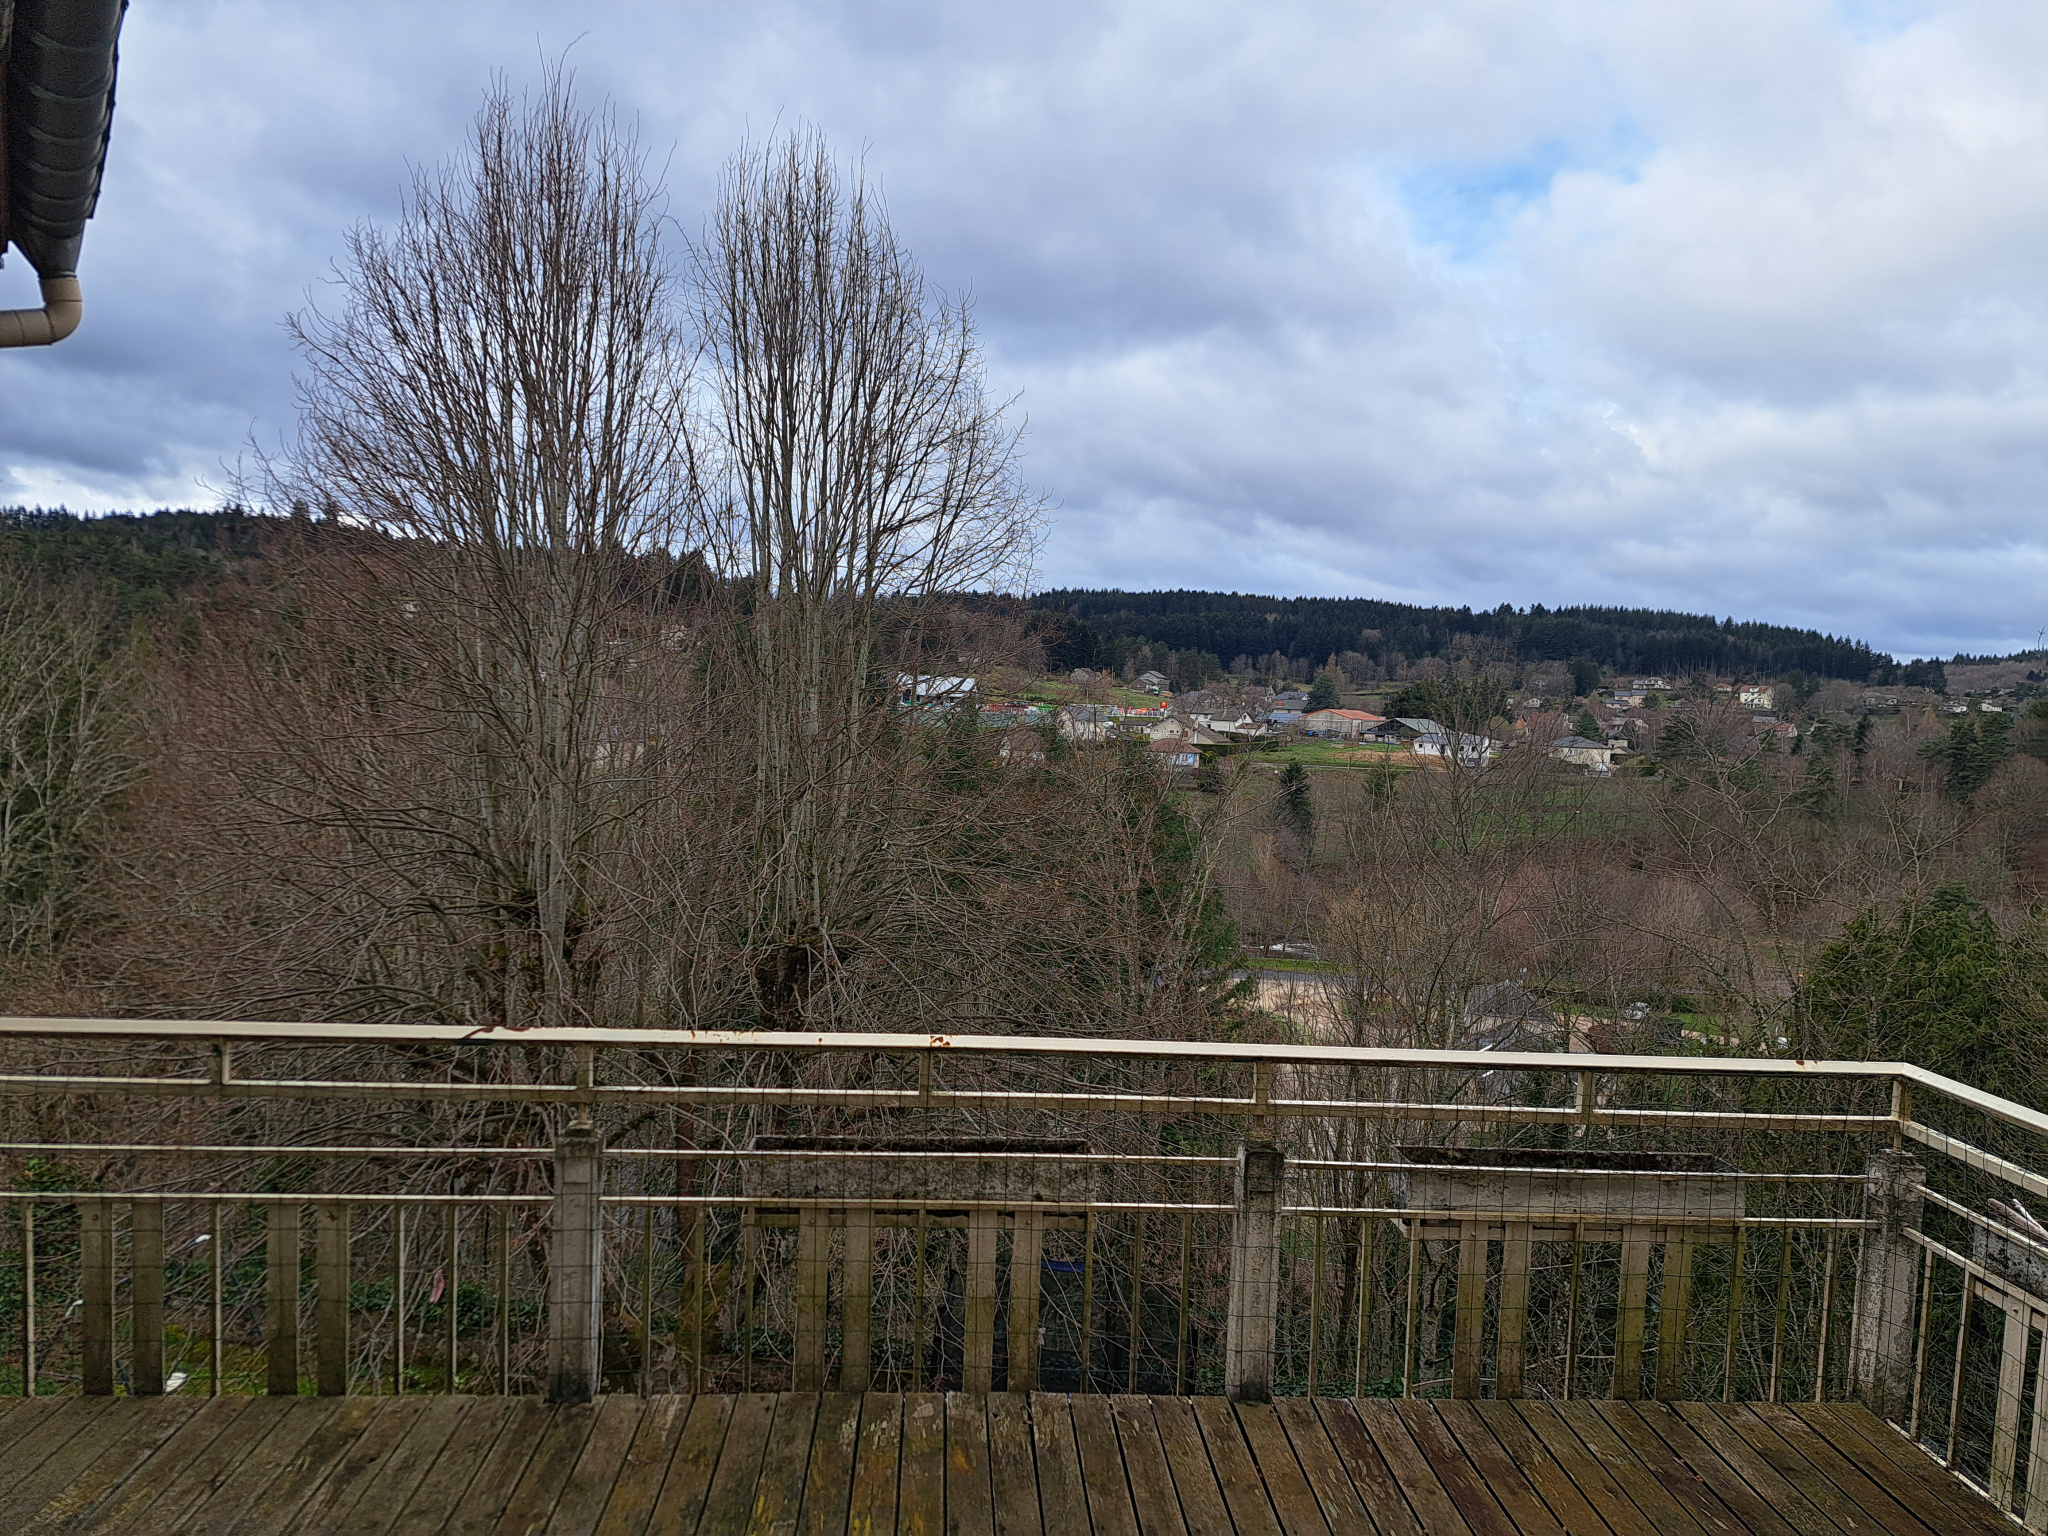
(1731, 306)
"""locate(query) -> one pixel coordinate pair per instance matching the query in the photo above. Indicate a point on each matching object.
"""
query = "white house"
(1596, 755)
(1086, 722)
(1470, 751)
(1756, 696)
(932, 690)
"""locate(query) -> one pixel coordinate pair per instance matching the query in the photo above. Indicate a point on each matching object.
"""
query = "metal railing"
(229, 1207)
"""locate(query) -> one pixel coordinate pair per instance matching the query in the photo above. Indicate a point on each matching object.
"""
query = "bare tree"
(465, 715)
(864, 475)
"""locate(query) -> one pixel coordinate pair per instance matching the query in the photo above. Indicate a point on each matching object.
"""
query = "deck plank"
(55, 1430)
(384, 1500)
(1013, 1479)
(328, 1501)
(828, 1481)
(779, 1488)
(1153, 1498)
(1454, 1469)
(158, 1475)
(1767, 1481)
(1431, 1502)
(1768, 1447)
(106, 1472)
(539, 1488)
(1293, 1500)
(1751, 1509)
(921, 1479)
(1904, 1472)
(970, 1505)
(597, 1470)
(1885, 1512)
(1585, 1470)
(1463, 1431)
(1102, 1467)
(679, 1507)
(1684, 1483)
(1370, 1476)
(871, 1504)
(630, 1500)
(730, 1501)
(1062, 1501)
(22, 1418)
(258, 1472)
(1244, 1492)
(1194, 1477)
(497, 1478)
(28, 1486)
(1323, 1465)
(1665, 1512)
(1565, 1500)
(445, 1488)
(212, 1467)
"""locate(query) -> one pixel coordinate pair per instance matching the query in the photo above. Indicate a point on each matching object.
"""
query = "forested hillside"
(1308, 630)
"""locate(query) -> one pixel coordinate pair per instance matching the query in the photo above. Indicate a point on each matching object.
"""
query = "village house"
(1596, 755)
(1756, 696)
(1086, 722)
(1470, 751)
(1152, 682)
(1347, 724)
(1175, 756)
(932, 690)
(1179, 728)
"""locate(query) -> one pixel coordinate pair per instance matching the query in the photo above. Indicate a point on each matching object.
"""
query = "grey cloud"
(1730, 306)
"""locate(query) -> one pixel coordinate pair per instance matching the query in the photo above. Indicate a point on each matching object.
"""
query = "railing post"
(1254, 1275)
(96, 1265)
(330, 1314)
(281, 1301)
(1882, 1337)
(146, 1297)
(576, 1268)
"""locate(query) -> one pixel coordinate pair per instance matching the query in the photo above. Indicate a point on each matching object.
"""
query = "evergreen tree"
(1324, 694)
(1295, 810)
(1587, 725)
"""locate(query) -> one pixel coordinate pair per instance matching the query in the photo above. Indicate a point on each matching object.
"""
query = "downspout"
(63, 307)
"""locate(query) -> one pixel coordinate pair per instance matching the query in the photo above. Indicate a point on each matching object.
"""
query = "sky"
(1735, 307)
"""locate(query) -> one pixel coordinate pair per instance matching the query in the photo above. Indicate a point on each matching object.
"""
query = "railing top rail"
(270, 1032)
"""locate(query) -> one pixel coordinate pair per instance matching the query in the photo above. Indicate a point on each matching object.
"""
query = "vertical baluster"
(1955, 1402)
(398, 1300)
(1671, 1320)
(146, 1298)
(1027, 1237)
(1512, 1350)
(812, 1260)
(96, 1266)
(2037, 1448)
(2005, 1425)
(216, 1297)
(1920, 1347)
(1315, 1301)
(330, 1299)
(1778, 1319)
(700, 1261)
(1087, 1299)
(1180, 1343)
(1571, 1307)
(281, 1300)
(1827, 1307)
(1413, 1305)
(1636, 1243)
(917, 1297)
(978, 1348)
(1365, 1233)
(501, 1245)
(1137, 1295)
(1469, 1330)
(647, 1300)
(451, 1259)
(750, 1235)
(1734, 1314)
(858, 1292)
(28, 1298)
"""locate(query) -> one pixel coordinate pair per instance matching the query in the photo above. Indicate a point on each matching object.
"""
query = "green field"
(1340, 754)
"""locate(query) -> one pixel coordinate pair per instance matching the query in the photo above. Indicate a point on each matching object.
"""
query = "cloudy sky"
(1735, 306)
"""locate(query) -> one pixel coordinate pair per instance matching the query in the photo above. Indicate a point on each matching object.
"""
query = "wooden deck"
(958, 1462)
